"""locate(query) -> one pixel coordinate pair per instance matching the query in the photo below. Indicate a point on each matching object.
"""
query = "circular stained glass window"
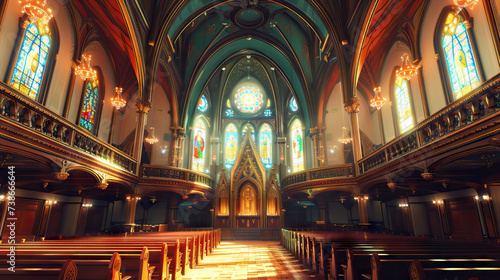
(248, 99)
(293, 105)
(203, 104)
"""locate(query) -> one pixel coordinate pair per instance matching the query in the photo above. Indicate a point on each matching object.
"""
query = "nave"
(202, 255)
(243, 259)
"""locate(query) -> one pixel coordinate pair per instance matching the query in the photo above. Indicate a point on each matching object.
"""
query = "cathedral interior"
(251, 117)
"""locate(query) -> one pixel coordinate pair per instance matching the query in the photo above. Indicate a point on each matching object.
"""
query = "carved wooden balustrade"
(167, 172)
(318, 173)
(477, 105)
(16, 108)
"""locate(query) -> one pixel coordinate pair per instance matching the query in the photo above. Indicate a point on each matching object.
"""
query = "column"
(180, 142)
(131, 207)
(352, 107)
(323, 210)
(3, 214)
(172, 211)
(143, 106)
(362, 209)
(321, 148)
(314, 136)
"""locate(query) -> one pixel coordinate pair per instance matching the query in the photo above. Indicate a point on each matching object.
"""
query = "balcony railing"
(167, 172)
(318, 173)
(20, 109)
(481, 103)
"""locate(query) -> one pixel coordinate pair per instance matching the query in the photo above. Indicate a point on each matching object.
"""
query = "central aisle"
(248, 260)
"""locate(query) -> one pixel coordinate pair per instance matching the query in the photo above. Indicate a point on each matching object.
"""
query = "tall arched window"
(403, 105)
(199, 142)
(231, 145)
(459, 56)
(266, 145)
(297, 146)
(30, 65)
(90, 105)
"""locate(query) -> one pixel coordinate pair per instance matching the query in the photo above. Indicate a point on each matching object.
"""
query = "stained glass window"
(228, 103)
(293, 105)
(231, 145)
(250, 128)
(266, 145)
(199, 141)
(90, 104)
(460, 60)
(268, 113)
(229, 113)
(203, 104)
(403, 104)
(31, 61)
(248, 99)
(297, 146)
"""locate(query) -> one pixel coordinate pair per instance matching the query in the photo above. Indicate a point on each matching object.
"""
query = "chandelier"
(117, 100)
(408, 70)
(345, 137)
(151, 139)
(84, 69)
(378, 101)
(36, 10)
(465, 3)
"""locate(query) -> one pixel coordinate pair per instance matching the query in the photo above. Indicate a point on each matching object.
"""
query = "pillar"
(323, 210)
(362, 209)
(131, 207)
(3, 214)
(143, 106)
(172, 211)
(314, 136)
(352, 107)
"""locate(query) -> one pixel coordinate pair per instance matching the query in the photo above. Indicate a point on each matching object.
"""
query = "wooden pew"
(49, 269)
(68, 271)
(134, 263)
(417, 271)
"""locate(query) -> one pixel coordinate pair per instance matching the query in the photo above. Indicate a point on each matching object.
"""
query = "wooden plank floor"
(249, 260)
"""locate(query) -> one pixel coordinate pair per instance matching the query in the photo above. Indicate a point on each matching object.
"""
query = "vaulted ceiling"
(313, 44)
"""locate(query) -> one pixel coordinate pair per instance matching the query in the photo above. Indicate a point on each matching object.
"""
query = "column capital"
(143, 105)
(352, 105)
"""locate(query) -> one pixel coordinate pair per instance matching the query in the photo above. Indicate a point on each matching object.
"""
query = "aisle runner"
(248, 260)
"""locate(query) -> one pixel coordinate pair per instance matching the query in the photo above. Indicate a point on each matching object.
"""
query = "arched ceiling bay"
(206, 33)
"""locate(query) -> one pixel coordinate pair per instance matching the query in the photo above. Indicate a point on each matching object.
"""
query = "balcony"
(168, 175)
(26, 118)
(319, 176)
(461, 116)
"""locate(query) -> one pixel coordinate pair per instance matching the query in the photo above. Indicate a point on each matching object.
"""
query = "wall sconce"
(163, 149)
(51, 202)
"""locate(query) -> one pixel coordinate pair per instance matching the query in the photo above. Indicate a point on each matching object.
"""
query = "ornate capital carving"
(352, 105)
(468, 24)
(143, 105)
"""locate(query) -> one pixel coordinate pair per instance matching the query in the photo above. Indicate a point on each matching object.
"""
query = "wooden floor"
(248, 260)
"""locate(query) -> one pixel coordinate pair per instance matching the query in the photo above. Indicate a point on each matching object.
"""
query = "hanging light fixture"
(378, 101)
(465, 3)
(84, 69)
(151, 139)
(36, 10)
(408, 70)
(345, 137)
(117, 100)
